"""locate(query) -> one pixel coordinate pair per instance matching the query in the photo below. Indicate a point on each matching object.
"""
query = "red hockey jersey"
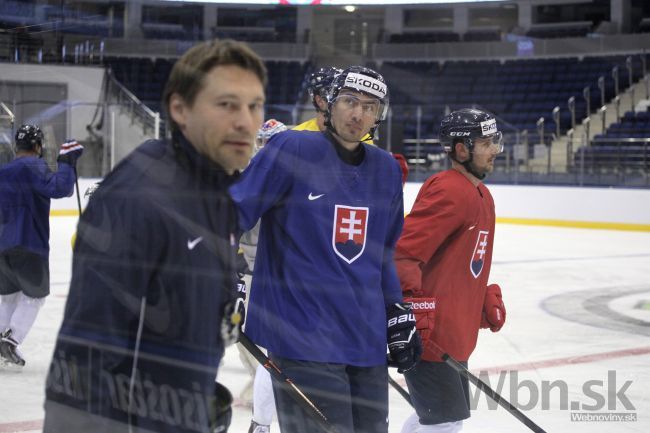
(445, 252)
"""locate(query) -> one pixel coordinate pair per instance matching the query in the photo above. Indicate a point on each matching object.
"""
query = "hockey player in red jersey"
(443, 260)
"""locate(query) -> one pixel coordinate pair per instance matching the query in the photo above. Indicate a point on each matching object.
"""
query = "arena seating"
(623, 146)
(146, 78)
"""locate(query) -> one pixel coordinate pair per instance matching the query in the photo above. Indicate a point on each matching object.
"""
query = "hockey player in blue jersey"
(326, 299)
(26, 186)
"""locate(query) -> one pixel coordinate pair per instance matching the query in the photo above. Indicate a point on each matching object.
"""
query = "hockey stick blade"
(404, 393)
(295, 392)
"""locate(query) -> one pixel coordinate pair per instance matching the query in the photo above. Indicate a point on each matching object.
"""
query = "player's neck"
(22, 153)
(320, 121)
(462, 170)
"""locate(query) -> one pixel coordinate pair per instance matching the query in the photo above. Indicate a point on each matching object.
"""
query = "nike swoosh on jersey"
(471, 228)
(192, 243)
(314, 197)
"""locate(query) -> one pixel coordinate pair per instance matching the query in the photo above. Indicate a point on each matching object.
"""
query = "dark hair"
(186, 77)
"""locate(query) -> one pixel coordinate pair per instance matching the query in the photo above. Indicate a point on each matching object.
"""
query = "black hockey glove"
(70, 152)
(220, 409)
(404, 342)
(234, 314)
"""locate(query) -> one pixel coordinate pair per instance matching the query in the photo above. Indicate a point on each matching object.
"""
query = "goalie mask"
(28, 137)
(268, 130)
(363, 80)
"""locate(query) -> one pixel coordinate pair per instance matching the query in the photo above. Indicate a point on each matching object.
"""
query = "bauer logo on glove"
(404, 342)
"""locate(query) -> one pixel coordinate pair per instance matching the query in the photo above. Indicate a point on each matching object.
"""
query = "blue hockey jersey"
(26, 186)
(324, 270)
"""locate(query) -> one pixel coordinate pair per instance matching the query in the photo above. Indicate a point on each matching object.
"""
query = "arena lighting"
(334, 2)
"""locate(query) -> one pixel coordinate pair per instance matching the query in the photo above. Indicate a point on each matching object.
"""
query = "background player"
(263, 401)
(26, 186)
(318, 87)
(443, 259)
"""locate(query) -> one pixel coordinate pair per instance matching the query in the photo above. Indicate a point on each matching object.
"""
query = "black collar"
(191, 159)
(352, 157)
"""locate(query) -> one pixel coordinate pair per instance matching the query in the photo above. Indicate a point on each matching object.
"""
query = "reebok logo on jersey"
(364, 83)
(192, 243)
(424, 305)
(478, 257)
(311, 196)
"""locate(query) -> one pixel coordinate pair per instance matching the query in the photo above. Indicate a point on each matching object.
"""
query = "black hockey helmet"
(28, 137)
(320, 81)
(467, 124)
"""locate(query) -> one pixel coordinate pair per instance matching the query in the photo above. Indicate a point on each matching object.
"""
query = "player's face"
(485, 152)
(353, 115)
(224, 119)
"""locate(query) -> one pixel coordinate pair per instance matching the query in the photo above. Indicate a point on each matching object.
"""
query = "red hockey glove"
(70, 152)
(403, 165)
(494, 311)
(424, 310)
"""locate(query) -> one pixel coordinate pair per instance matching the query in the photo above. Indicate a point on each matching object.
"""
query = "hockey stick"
(295, 392)
(76, 181)
(404, 393)
(460, 368)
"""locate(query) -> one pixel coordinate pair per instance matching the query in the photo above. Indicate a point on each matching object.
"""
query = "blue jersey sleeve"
(53, 185)
(390, 281)
(265, 181)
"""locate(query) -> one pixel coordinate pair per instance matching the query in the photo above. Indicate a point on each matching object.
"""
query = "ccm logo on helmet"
(459, 134)
(489, 127)
(366, 84)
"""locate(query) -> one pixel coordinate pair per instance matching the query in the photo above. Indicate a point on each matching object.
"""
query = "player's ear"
(462, 153)
(177, 109)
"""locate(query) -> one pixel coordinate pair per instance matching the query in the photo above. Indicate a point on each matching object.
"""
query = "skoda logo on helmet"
(366, 84)
(488, 127)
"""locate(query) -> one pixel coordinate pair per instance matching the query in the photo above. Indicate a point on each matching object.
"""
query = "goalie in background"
(259, 390)
(26, 187)
(443, 260)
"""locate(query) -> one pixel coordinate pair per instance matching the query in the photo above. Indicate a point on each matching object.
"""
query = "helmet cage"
(268, 130)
